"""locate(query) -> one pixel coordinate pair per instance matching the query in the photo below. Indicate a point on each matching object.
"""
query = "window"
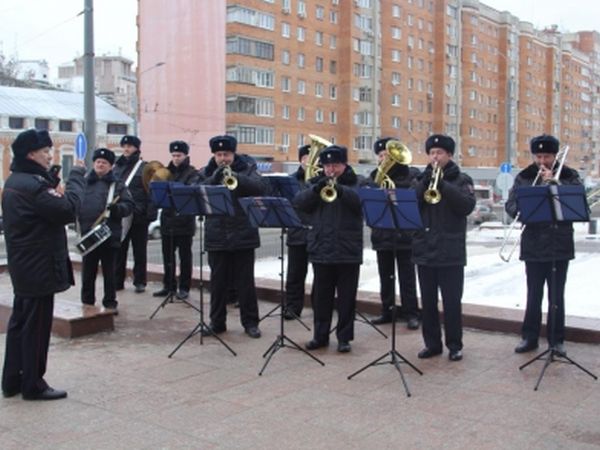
(396, 54)
(333, 16)
(286, 84)
(265, 107)
(319, 89)
(300, 33)
(285, 57)
(396, 78)
(319, 116)
(396, 11)
(115, 128)
(301, 8)
(285, 112)
(363, 142)
(363, 118)
(301, 60)
(332, 66)
(332, 91)
(320, 12)
(395, 99)
(332, 42)
(241, 104)
(301, 113)
(43, 124)
(65, 125)
(16, 123)
(319, 64)
(363, 70)
(319, 38)
(250, 17)
(249, 75)
(250, 47)
(301, 87)
(285, 29)
(395, 122)
(265, 136)
(333, 117)
(396, 33)
(364, 94)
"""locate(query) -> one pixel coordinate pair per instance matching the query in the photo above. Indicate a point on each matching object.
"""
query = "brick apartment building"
(353, 70)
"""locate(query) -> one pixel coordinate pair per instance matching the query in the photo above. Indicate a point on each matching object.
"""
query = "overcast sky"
(51, 30)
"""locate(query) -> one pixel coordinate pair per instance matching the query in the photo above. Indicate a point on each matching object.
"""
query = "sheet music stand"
(202, 200)
(284, 185)
(160, 193)
(275, 212)
(552, 204)
(394, 209)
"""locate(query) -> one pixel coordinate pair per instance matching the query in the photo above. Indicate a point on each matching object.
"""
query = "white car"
(154, 227)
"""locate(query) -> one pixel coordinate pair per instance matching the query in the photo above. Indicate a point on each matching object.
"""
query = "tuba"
(154, 171)
(312, 166)
(397, 153)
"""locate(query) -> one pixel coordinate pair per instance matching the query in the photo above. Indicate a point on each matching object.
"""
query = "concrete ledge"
(71, 320)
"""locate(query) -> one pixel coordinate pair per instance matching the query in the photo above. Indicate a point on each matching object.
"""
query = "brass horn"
(397, 153)
(329, 193)
(317, 143)
(154, 171)
(229, 180)
(433, 195)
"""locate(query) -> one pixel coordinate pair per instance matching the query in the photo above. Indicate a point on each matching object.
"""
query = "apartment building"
(354, 70)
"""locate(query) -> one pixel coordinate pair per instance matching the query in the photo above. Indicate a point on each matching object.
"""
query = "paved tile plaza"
(124, 392)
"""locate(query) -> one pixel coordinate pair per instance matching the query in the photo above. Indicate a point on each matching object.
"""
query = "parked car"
(482, 213)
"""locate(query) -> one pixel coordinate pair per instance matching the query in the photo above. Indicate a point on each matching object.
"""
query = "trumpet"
(229, 180)
(433, 195)
(561, 156)
(328, 193)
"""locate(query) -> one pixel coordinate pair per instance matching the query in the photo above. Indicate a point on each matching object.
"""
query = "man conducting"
(35, 214)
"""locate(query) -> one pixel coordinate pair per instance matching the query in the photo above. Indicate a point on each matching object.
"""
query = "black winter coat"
(299, 236)
(542, 241)
(172, 224)
(381, 239)
(94, 203)
(442, 241)
(336, 233)
(230, 233)
(34, 216)
(144, 211)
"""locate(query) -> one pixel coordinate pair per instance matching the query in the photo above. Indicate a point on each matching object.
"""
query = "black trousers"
(138, 235)
(538, 274)
(106, 255)
(182, 244)
(407, 280)
(450, 281)
(27, 341)
(329, 280)
(241, 262)
(296, 277)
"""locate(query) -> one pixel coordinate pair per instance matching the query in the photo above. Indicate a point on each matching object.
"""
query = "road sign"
(505, 167)
(80, 146)
(504, 182)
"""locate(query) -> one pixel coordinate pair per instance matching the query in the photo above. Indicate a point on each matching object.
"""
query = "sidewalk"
(125, 393)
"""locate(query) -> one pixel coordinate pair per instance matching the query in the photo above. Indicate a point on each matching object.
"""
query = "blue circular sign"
(505, 167)
(80, 146)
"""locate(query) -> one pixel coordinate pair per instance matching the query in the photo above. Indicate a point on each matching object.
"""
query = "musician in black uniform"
(96, 203)
(394, 248)
(177, 231)
(231, 240)
(541, 245)
(335, 245)
(143, 213)
(439, 249)
(35, 213)
(297, 252)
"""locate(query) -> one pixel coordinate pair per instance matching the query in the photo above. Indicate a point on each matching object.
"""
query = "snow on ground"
(489, 280)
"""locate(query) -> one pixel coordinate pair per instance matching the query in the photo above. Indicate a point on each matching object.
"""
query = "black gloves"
(218, 175)
(114, 210)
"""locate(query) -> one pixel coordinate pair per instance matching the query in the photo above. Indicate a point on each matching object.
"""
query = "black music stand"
(275, 212)
(202, 200)
(552, 204)
(283, 185)
(393, 209)
(160, 193)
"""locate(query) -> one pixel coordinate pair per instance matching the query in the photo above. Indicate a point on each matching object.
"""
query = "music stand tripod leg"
(167, 299)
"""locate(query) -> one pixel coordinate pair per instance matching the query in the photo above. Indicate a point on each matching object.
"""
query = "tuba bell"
(397, 153)
(317, 143)
(154, 171)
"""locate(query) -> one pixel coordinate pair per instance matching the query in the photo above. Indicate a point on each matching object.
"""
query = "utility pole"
(89, 99)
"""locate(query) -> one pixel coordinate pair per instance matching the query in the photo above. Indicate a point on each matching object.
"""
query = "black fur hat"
(333, 154)
(104, 153)
(131, 140)
(380, 144)
(223, 143)
(440, 141)
(303, 150)
(544, 144)
(30, 141)
(179, 146)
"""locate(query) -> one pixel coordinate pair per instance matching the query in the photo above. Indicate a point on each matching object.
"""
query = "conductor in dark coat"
(97, 188)
(439, 249)
(541, 245)
(35, 213)
(177, 231)
(231, 240)
(335, 246)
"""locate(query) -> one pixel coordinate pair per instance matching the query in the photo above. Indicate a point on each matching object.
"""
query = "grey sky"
(43, 29)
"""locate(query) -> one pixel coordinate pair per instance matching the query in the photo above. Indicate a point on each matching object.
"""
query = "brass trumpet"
(329, 193)
(229, 180)
(433, 195)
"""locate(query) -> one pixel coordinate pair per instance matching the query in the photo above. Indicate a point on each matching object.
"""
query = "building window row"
(250, 47)
(263, 107)
(253, 135)
(249, 75)
(250, 17)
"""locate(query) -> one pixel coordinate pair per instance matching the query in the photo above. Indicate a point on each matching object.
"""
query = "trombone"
(433, 195)
(561, 156)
